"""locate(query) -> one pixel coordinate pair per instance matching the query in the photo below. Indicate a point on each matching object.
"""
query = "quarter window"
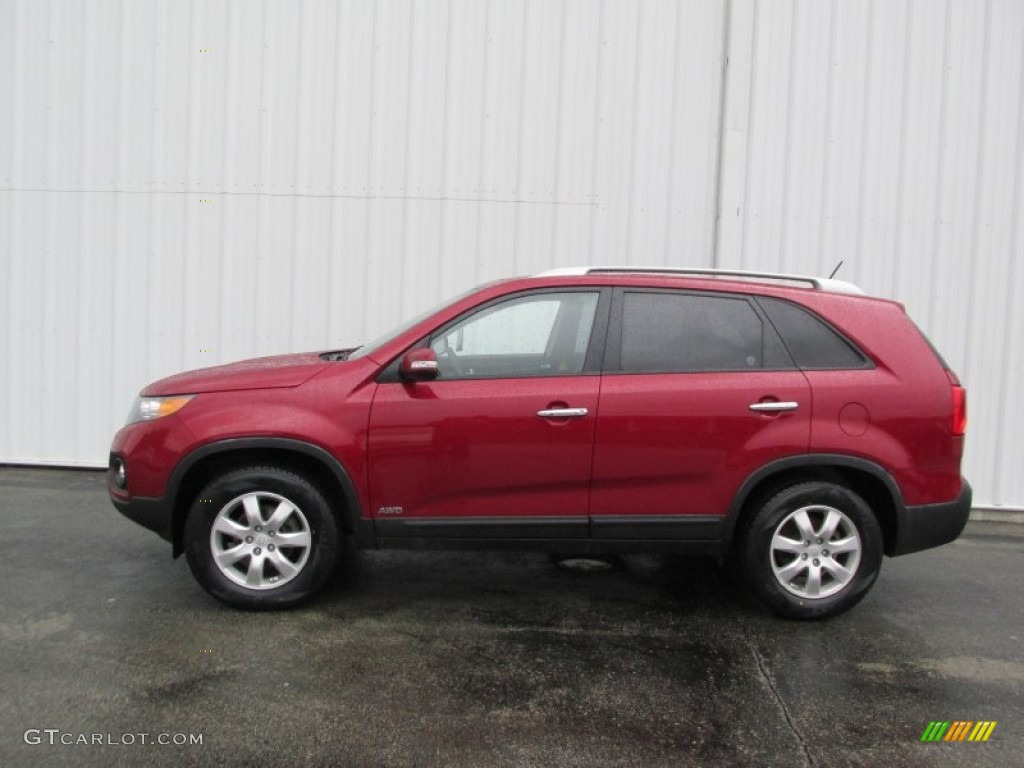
(813, 344)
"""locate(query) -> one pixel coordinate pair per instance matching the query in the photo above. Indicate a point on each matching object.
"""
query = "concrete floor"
(423, 659)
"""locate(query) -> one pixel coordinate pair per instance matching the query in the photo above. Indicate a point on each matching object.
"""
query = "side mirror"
(419, 365)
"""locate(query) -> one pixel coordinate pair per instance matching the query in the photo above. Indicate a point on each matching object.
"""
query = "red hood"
(258, 373)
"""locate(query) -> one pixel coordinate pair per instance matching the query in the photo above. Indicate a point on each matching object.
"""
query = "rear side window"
(683, 333)
(812, 342)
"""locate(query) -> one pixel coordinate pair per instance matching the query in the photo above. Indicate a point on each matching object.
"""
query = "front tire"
(262, 538)
(812, 551)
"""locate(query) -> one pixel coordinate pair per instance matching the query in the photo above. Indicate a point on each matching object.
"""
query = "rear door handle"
(563, 413)
(774, 407)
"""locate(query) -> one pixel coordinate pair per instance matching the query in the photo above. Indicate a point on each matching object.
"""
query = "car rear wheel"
(262, 537)
(812, 551)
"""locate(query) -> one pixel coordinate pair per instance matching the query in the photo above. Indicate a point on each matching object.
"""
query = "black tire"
(279, 575)
(845, 573)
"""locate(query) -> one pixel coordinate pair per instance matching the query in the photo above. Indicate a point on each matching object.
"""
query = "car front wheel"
(261, 537)
(813, 550)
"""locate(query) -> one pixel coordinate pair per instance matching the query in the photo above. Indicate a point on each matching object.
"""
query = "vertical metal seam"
(979, 177)
(263, 137)
(220, 320)
(481, 176)
(787, 152)
(115, 251)
(49, 213)
(633, 134)
(724, 88)
(371, 204)
(940, 175)
(299, 174)
(670, 196)
(159, 54)
(148, 188)
(18, 99)
(52, 67)
(189, 217)
(828, 151)
(869, 72)
(330, 315)
(556, 189)
(9, 290)
(410, 70)
(229, 127)
(1009, 340)
(519, 139)
(751, 114)
(595, 141)
(901, 171)
(84, 223)
(443, 191)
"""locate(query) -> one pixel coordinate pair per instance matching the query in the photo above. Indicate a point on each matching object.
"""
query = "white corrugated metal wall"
(186, 183)
(890, 135)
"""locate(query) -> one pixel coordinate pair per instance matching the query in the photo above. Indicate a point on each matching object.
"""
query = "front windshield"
(370, 347)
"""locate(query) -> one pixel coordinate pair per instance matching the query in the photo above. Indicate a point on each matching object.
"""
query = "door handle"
(774, 407)
(563, 413)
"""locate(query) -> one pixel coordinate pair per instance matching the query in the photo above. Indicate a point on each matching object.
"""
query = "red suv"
(791, 425)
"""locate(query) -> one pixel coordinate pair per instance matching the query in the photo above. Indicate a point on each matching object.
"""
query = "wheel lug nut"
(824, 552)
(815, 560)
(260, 528)
(248, 539)
(257, 551)
(803, 556)
(270, 548)
(819, 540)
(273, 533)
(807, 543)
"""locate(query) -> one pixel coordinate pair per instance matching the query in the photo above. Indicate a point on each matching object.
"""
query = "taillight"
(959, 405)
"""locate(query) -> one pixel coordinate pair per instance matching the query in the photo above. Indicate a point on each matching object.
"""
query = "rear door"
(698, 393)
(500, 446)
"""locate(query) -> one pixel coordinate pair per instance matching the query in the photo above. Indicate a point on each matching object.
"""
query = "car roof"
(828, 285)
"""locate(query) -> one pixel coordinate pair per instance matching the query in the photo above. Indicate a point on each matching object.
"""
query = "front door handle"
(563, 413)
(774, 407)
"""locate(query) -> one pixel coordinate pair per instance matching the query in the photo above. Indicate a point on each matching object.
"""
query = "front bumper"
(153, 514)
(932, 525)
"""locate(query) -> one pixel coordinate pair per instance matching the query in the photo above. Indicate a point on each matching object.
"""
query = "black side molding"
(658, 527)
(471, 528)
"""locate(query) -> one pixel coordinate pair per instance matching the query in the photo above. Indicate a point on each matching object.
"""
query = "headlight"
(147, 408)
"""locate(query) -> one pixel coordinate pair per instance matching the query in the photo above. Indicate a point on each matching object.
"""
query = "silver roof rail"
(818, 283)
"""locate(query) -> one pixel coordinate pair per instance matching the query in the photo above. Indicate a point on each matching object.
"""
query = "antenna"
(836, 269)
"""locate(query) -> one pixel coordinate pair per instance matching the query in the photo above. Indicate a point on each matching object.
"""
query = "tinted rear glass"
(812, 342)
(676, 332)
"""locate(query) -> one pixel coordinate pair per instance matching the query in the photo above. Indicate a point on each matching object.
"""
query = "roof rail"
(817, 283)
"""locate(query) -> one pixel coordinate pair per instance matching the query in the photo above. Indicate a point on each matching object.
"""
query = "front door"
(501, 444)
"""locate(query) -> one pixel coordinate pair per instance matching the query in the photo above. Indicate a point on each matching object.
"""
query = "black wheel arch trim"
(362, 529)
(817, 461)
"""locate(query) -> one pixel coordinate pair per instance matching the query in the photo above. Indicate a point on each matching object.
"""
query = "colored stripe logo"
(958, 730)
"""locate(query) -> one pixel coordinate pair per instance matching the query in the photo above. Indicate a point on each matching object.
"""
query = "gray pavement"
(485, 659)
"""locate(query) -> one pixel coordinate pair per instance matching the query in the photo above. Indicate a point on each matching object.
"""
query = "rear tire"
(262, 537)
(812, 550)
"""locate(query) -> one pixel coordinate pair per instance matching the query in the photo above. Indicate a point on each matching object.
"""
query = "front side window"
(685, 333)
(544, 334)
